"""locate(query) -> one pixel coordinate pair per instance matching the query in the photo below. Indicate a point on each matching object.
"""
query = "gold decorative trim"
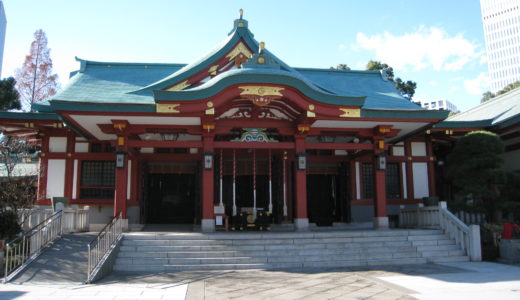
(179, 86)
(261, 90)
(310, 114)
(167, 108)
(311, 106)
(210, 111)
(240, 48)
(213, 70)
(209, 104)
(350, 112)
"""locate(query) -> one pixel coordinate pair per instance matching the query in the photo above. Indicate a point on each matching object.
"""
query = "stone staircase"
(167, 252)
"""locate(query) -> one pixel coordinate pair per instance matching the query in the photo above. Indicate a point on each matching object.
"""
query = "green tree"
(406, 88)
(374, 65)
(9, 96)
(509, 87)
(343, 67)
(487, 96)
(35, 80)
(475, 170)
(17, 184)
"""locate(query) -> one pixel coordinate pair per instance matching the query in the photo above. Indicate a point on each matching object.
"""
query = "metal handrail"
(101, 246)
(21, 251)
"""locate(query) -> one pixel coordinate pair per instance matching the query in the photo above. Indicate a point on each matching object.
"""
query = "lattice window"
(97, 179)
(368, 180)
(393, 181)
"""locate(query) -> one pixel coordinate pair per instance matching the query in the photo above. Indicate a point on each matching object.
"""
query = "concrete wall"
(365, 213)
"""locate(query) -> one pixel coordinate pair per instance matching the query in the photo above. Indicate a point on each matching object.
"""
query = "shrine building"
(237, 131)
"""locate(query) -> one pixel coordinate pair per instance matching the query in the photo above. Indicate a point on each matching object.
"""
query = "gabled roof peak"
(240, 23)
(261, 59)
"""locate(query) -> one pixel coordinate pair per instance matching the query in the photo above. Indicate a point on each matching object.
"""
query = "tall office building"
(437, 104)
(3, 24)
(501, 22)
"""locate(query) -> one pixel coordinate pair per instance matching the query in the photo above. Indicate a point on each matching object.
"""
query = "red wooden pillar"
(42, 178)
(121, 179)
(380, 215)
(69, 165)
(301, 219)
(208, 213)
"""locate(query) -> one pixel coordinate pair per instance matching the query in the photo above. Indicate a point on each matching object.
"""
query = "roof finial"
(262, 46)
(241, 11)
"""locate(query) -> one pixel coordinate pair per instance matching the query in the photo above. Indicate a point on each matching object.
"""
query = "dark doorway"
(321, 192)
(171, 199)
(328, 194)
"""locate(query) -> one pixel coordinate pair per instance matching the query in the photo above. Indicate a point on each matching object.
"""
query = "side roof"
(499, 112)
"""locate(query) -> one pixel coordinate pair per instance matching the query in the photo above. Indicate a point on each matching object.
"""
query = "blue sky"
(439, 44)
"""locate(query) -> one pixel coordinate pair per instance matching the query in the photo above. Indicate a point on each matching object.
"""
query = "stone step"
(274, 266)
(233, 253)
(276, 235)
(205, 248)
(265, 241)
(428, 237)
(265, 259)
(442, 253)
(434, 242)
(444, 259)
(438, 247)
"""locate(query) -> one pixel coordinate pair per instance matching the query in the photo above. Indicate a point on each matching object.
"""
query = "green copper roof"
(262, 75)
(108, 82)
(29, 116)
(499, 112)
(131, 87)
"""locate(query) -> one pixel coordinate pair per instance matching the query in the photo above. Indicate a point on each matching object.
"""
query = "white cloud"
(426, 47)
(478, 85)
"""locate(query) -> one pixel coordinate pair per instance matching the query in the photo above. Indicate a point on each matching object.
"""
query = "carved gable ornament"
(261, 95)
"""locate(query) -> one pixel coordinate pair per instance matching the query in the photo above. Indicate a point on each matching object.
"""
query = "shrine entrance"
(170, 193)
(250, 181)
(328, 198)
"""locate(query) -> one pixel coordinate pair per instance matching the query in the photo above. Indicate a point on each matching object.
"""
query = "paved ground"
(430, 281)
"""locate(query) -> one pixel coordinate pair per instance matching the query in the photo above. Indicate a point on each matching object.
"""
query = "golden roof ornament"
(262, 46)
(241, 11)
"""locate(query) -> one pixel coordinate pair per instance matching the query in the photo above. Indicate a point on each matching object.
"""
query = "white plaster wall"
(418, 148)
(398, 151)
(81, 147)
(57, 144)
(146, 150)
(358, 182)
(512, 160)
(420, 180)
(55, 178)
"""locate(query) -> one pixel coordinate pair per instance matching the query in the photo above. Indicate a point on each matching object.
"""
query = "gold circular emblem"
(311, 106)
(261, 91)
(240, 24)
(250, 219)
(209, 104)
(261, 60)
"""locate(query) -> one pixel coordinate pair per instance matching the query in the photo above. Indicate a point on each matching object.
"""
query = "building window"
(393, 181)
(97, 179)
(368, 180)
